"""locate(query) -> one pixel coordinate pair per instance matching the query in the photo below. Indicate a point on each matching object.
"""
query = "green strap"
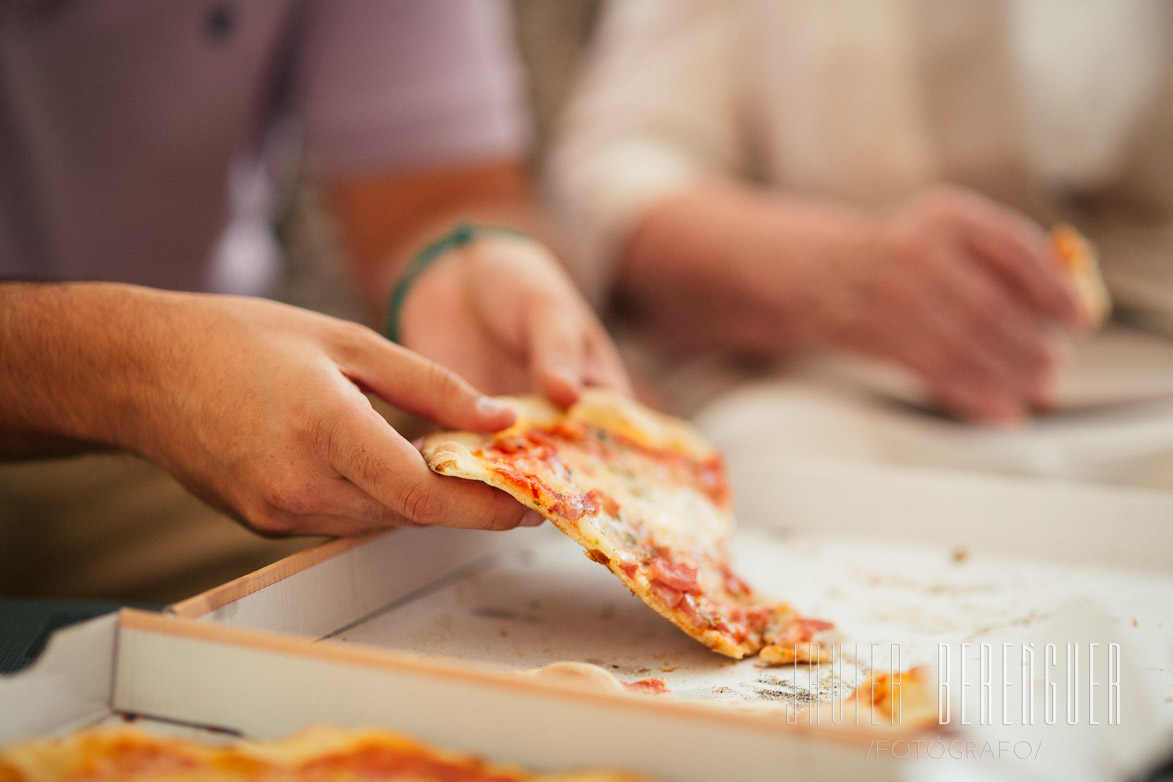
(459, 236)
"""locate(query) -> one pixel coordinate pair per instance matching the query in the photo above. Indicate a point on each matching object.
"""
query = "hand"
(502, 313)
(967, 294)
(259, 408)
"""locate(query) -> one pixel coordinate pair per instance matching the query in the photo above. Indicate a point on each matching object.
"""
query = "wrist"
(849, 276)
(76, 376)
(126, 363)
(461, 237)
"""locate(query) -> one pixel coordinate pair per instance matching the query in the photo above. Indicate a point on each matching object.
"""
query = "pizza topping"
(734, 584)
(650, 686)
(667, 595)
(688, 607)
(566, 504)
(674, 574)
(601, 499)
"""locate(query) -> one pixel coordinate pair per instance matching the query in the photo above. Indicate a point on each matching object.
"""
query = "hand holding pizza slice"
(647, 497)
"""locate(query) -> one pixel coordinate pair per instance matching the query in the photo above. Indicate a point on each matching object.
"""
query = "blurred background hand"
(503, 313)
(968, 295)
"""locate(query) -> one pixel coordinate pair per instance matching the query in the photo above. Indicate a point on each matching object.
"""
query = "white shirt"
(1052, 106)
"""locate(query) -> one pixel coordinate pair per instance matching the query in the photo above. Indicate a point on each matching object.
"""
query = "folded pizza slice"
(647, 497)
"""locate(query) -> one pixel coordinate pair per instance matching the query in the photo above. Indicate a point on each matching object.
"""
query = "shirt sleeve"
(390, 84)
(657, 110)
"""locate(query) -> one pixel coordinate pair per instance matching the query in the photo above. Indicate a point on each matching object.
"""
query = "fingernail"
(487, 405)
(531, 519)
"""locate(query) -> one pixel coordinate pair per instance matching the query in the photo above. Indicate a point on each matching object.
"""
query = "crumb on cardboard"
(1135, 623)
(960, 554)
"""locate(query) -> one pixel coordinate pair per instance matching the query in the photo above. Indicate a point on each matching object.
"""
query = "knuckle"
(289, 494)
(352, 339)
(419, 504)
(505, 519)
(351, 333)
(441, 383)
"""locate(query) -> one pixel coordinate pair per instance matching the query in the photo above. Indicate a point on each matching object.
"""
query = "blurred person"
(775, 179)
(128, 319)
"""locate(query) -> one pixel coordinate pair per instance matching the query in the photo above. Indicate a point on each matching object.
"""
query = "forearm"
(765, 269)
(73, 372)
(387, 218)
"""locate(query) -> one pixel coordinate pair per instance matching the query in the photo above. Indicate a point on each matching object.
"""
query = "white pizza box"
(171, 674)
(432, 631)
(907, 561)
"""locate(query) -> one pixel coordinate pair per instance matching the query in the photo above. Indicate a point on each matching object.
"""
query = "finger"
(347, 510)
(317, 524)
(1022, 252)
(969, 400)
(1008, 338)
(959, 383)
(556, 347)
(926, 336)
(325, 504)
(376, 459)
(421, 386)
(532, 519)
(602, 365)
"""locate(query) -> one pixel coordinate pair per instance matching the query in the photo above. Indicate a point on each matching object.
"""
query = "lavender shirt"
(120, 119)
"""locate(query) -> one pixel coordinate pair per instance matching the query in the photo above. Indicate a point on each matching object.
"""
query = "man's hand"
(257, 407)
(501, 311)
(967, 294)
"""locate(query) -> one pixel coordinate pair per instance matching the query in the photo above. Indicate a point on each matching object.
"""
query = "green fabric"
(25, 625)
(459, 236)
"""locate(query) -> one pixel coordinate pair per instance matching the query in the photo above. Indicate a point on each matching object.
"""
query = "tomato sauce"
(378, 762)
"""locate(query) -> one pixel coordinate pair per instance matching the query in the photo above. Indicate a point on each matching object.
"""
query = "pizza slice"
(647, 497)
(321, 754)
(1079, 258)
